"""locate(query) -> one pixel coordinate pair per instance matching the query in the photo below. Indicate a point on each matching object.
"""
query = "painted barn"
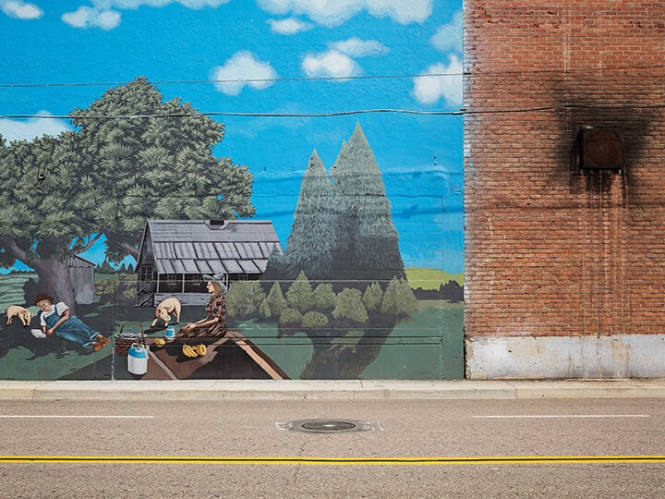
(82, 275)
(176, 254)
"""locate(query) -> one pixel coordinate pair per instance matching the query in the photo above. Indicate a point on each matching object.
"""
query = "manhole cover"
(327, 425)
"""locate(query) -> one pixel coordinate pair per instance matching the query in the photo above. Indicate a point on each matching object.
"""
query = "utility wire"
(343, 78)
(460, 112)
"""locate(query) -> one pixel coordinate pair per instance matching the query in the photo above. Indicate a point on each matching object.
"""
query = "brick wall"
(550, 252)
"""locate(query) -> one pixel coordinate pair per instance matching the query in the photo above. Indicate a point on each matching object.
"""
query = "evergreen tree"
(106, 268)
(372, 296)
(311, 242)
(276, 300)
(369, 248)
(300, 294)
(398, 300)
(264, 310)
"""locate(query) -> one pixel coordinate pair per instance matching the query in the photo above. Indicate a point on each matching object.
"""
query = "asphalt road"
(448, 428)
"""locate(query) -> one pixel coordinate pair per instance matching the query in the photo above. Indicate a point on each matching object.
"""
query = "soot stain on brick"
(632, 122)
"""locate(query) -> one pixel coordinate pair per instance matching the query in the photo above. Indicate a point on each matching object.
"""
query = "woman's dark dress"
(215, 308)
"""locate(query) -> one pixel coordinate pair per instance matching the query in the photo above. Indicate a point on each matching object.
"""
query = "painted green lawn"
(431, 278)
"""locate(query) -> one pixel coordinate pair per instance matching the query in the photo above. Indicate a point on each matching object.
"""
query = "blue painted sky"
(118, 40)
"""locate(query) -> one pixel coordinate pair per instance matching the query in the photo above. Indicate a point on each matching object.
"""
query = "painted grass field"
(426, 346)
(431, 278)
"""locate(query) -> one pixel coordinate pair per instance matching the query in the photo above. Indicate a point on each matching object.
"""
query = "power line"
(344, 78)
(460, 112)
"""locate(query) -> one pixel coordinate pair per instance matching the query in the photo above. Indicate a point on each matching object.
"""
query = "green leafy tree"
(300, 294)
(350, 306)
(324, 297)
(314, 320)
(398, 300)
(46, 208)
(372, 296)
(276, 300)
(158, 168)
(244, 299)
(61, 194)
(290, 317)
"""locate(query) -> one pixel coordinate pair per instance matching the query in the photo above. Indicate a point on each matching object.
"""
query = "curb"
(329, 390)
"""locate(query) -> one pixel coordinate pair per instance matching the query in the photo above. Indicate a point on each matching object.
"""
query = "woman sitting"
(56, 319)
(214, 323)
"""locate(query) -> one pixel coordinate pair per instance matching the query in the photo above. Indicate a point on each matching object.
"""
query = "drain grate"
(327, 425)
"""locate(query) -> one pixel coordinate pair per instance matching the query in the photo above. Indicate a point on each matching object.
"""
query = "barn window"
(147, 273)
(194, 283)
(172, 283)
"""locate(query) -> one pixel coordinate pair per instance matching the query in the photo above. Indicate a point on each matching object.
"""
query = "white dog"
(22, 313)
(165, 307)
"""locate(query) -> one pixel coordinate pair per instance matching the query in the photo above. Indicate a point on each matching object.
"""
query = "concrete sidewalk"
(329, 390)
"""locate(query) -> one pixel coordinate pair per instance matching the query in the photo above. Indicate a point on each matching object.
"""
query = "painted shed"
(176, 254)
(82, 275)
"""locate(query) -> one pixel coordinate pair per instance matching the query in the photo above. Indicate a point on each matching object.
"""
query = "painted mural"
(211, 200)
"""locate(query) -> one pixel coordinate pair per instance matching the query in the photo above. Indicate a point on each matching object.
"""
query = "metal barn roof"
(205, 247)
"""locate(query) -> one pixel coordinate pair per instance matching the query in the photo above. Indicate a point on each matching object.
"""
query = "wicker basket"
(122, 344)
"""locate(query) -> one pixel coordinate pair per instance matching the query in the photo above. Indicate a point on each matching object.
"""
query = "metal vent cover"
(331, 425)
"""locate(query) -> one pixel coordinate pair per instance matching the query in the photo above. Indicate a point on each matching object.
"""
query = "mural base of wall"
(617, 356)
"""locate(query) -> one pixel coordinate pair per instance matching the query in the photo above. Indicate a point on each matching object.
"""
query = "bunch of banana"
(159, 342)
(195, 351)
(188, 351)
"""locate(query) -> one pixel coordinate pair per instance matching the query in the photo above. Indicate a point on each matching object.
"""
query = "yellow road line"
(332, 460)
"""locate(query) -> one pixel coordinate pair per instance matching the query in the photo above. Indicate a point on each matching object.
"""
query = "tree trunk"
(131, 250)
(54, 280)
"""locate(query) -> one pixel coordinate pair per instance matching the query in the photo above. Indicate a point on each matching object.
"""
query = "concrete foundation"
(620, 356)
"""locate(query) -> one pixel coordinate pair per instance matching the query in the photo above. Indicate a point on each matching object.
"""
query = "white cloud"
(336, 61)
(449, 36)
(289, 26)
(91, 17)
(429, 89)
(402, 11)
(355, 47)
(242, 66)
(32, 127)
(335, 12)
(101, 14)
(330, 63)
(135, 4)
(21, 10)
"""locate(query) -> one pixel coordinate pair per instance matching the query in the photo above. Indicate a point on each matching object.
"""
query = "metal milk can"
(137, 359)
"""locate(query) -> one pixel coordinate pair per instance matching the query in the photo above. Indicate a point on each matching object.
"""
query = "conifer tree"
(264, 310)
(369, 247)
(311, 242)
(276, 300)
(398, 300)
(300, 294)
(372, 296)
